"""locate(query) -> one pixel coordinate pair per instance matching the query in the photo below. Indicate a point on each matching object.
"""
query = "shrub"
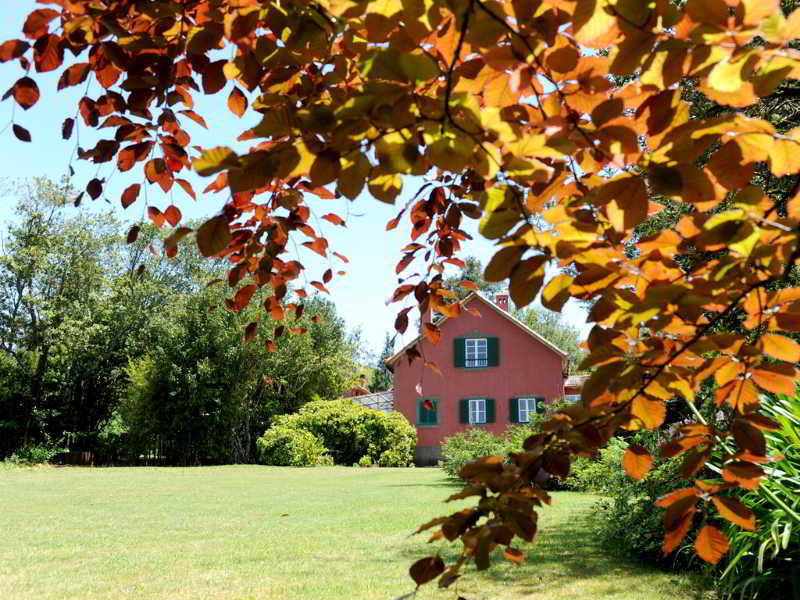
(349, 431)
(469, 445)
(393, 458)
(326, 460)
(365, 461)
(600, 474)
(35, 454)
(285, 446)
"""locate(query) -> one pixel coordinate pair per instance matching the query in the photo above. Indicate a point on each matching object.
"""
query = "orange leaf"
(735, 512)
(172, 214)
(25, 92)
(778, 378)
(711, 544)
(669, 499)
(637, 461)
(242, 297)
(237, 102)
(745, 474)
(335, 219)
(432, 333)
(514, 555)
(780, 347)
(187, 187)
(156, 216)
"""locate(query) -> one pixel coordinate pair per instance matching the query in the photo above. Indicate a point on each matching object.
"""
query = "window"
(477, 411)
(573, 397)
(477, 353)
(427, 417)
(526, 407)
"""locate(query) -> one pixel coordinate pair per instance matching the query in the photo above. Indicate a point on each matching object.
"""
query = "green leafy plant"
(350, 431)
(365, 461)
(289, 447)
(765, 563)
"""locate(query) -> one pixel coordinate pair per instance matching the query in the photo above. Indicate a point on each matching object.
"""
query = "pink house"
(495, 371)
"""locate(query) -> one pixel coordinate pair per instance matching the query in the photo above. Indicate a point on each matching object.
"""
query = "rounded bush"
(365, 461)
(289, 447)
(349, 431)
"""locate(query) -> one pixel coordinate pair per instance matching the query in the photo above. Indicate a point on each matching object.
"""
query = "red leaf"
(327, 276)
(133, 233)
(38, 22)
(12, 49)
(426, 569)
(48, 53)
(242, 297)
(172, 214)
(130, 195)
(711, 544)
(156, 216)
(187, 187)
(22, 134)
(194, 117)
(74, 75)
(25, 92)
(341, 257)
(404, 262)
(335, 219)
(320, 287)
(250, 331)
(66, 128)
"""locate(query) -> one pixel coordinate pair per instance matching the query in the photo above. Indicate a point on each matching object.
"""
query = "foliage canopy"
(509, 110)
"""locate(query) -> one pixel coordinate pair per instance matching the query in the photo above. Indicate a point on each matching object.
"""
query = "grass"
(247, 532)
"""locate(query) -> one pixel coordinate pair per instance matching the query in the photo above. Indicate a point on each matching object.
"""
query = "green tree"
(381, 376)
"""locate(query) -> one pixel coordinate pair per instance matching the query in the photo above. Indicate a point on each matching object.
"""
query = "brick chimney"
(501, 300)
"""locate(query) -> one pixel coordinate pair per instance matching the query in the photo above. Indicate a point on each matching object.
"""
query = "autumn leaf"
(237, 102)
(130, 195)
(735, 512)
(21, 133)
(711, 544)
(637, 461)
(426, 569)
(25, 92)
(213, 236)
(172, 214)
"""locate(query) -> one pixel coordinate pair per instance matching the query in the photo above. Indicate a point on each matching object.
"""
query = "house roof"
(504, 313)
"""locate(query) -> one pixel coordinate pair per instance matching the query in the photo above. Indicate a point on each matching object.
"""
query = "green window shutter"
(492, 351)
(539, 405)
(426, 416)
(463, 411)
(490, 410)
(459, 352)
(513, 410)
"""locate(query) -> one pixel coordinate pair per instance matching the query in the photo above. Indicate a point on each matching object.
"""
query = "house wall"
(526, 368)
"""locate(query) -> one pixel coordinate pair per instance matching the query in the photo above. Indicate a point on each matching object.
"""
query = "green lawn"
(248, 532)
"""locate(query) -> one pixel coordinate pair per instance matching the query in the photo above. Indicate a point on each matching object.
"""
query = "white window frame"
(525, 408)
(476, 352)
(477, 411)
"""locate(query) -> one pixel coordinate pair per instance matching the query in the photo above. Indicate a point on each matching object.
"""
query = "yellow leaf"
(784, 157)
(215, 160)
(556, 292)
(386, 187)
(649, 412)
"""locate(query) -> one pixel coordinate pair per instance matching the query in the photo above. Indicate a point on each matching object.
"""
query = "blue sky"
(360, 296)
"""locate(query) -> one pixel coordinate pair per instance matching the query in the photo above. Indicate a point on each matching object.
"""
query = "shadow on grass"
(563, 554)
